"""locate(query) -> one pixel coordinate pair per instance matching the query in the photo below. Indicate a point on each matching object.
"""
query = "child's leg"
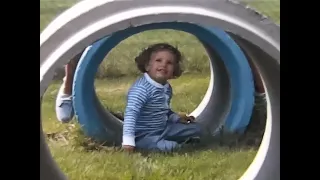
(181, 132)
(170, 139)
(155, 143)
(64, 106)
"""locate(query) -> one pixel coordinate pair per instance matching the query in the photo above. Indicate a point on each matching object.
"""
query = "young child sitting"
(149, 123)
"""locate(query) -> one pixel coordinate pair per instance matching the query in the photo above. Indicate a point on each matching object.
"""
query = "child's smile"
(162, 71)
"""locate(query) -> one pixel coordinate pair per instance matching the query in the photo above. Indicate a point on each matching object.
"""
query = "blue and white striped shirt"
(148, 108)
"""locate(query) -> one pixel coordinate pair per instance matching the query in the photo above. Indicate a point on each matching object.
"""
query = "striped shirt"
(148, 108)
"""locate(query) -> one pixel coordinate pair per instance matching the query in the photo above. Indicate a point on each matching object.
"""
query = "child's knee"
(154, 144)
(167, 146)
(196, 128)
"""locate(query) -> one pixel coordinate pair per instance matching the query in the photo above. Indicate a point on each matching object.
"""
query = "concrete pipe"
(88, 21)
(228, 103)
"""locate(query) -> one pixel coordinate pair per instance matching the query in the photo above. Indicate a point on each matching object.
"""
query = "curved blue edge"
(236, 63)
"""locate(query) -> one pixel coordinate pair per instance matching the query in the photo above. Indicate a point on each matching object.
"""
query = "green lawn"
(71, 150)
(76, 155)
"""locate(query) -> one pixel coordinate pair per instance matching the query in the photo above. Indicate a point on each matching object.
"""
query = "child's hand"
(128, 148)
(184, 118)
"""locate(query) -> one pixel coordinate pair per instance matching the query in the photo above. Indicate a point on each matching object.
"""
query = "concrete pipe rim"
(55, 54)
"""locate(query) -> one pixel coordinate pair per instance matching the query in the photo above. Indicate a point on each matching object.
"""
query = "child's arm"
(172, 116)
(137, 97)
(178, 117)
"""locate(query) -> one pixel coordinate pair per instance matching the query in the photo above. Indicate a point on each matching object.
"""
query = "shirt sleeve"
(136, 98)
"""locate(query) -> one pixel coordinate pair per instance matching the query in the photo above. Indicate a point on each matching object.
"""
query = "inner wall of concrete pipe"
(102, 126)
(59, 44)
(269, 70)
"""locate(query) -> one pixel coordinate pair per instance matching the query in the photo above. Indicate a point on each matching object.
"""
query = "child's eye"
(158, 60)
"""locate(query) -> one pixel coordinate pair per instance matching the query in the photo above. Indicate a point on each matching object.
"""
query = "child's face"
(161, 66)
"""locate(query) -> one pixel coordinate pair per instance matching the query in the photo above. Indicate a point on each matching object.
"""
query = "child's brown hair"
(144, 57)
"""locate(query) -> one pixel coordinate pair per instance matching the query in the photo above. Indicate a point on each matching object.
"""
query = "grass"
(72, 150)
(81, 159)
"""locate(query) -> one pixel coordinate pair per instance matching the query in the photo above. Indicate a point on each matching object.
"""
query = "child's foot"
(64, 106)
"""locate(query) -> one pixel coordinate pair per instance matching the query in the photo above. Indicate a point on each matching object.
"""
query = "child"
(149, 123)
